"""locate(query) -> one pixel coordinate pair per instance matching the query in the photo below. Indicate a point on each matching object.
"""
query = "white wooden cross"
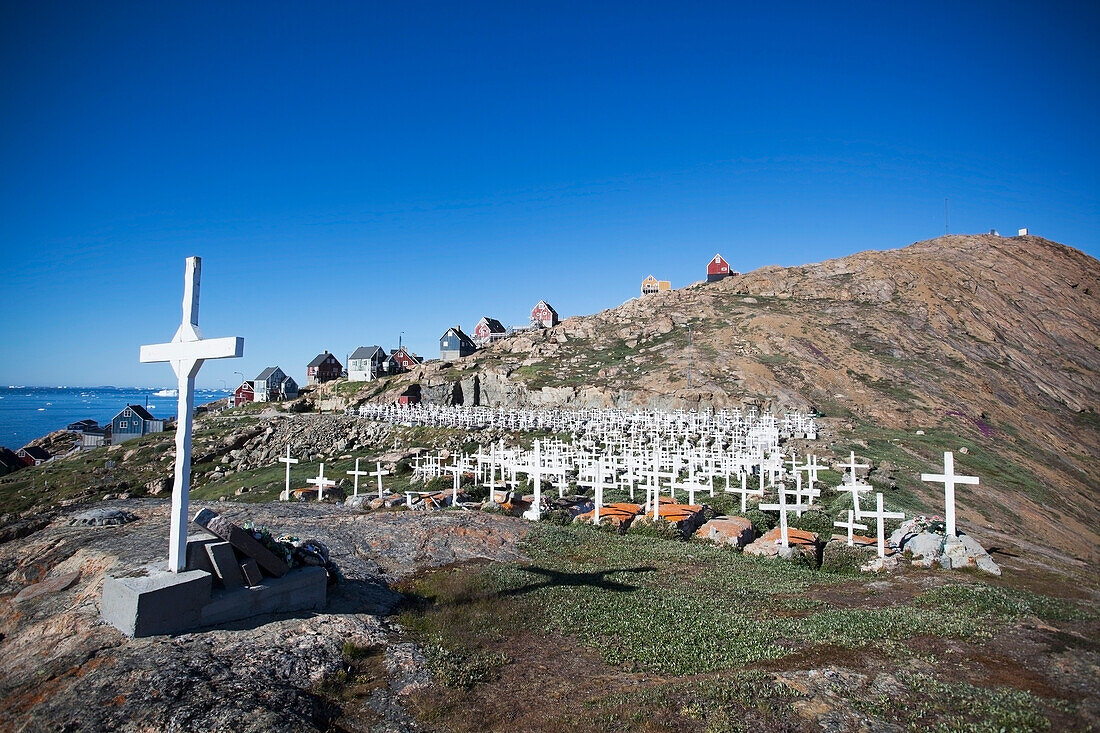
(851, 524)
(745, 491)
(949, 478)
(379, 473)
(288, 461)
(356, 473)
(782, 508)
(456, 471)
(856, 488)
(881, 516)
(535, 472)
(321, 483)
(186, 352)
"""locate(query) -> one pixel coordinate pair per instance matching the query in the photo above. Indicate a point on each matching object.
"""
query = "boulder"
(966, 552)
(736, 531)
(800, 544)
(925, 548)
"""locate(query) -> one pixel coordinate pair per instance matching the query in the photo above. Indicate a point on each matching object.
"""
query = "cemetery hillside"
(984, 342)
(857, 495)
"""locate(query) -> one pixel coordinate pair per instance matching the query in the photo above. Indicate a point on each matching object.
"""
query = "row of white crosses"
(322, 482)
(733, 425)
(627, 466)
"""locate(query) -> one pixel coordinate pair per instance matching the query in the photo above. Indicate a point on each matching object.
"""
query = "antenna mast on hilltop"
(946, 219)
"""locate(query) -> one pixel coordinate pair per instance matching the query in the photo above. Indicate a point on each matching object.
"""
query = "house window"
(121, 424)
(126, 413)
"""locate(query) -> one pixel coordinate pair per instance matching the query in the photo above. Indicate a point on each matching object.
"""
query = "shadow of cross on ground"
(596, 579)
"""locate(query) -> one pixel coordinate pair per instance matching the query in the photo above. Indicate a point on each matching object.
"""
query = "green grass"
(702, 624)
(637, 601)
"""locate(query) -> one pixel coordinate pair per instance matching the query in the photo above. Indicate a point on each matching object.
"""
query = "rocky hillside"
(981, 342)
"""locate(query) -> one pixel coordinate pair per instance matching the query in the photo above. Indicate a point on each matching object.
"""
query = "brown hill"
(984, 343)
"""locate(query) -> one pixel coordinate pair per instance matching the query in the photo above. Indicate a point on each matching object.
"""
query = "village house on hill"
(718, 269)
(543, 315)
(400, 361)
(652, 285)
(33, 455)
(366, 363)
(271, 385)
(454, 344)
(324, 368)
(488, 330)
(132, 422)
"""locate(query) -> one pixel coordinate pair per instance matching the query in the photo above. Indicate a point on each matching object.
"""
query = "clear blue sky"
(352, 171)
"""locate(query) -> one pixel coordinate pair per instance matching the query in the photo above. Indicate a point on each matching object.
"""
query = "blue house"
(454, 344)
(133, 422)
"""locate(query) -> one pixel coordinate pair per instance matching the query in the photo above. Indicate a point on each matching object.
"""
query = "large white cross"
(288, 461)
(948, 478)
(186, 352)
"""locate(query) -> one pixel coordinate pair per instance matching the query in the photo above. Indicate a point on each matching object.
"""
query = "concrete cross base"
(175, 603)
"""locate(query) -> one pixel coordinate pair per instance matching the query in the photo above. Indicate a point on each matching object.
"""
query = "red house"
(32, 455)
(718, 268)
(244, 394)
(488, 330)
(544, 315)
(410, 396)
(400, 361)
(323, 368)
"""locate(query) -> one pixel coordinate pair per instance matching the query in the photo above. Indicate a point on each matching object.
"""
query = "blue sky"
(352, 171)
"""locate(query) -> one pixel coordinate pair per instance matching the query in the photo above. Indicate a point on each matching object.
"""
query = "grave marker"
(356, 473)
(949, 478)
(321, 482)
(186, 352)
(285, 496)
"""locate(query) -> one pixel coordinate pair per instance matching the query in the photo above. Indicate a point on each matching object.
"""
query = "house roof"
(266, 374)
(366, 352)
(246, 386)
(36, 452)
(461, 336)
(494, 325)
(139, 411)
(9, 459)
(546, 305)
(320, 359)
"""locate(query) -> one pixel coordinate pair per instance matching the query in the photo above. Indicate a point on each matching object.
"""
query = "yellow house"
(653, 285)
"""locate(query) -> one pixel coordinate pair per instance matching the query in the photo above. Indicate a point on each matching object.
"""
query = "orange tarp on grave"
(677, 512)
(794, 536)
(614, 513)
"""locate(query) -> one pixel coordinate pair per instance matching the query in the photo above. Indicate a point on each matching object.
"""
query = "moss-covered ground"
(605, 632)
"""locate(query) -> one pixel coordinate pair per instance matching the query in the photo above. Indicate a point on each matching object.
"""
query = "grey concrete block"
(197, 559)
(226, 565)
(302, 589)
(157, 603)
(250, 569)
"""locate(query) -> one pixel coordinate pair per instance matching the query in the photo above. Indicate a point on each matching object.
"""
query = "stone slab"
(303, 589)
(53, 584)
(242, 541)
(157, 603)
(251, 572)
(227, 567)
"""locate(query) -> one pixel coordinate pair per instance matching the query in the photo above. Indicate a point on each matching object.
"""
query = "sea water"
(27, 413)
